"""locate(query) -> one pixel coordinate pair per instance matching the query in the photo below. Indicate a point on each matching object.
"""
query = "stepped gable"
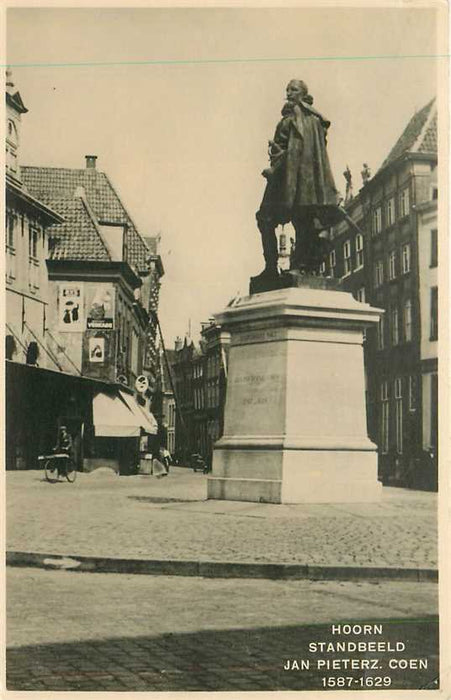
(59, 185)
(419, 136)
(78, 238)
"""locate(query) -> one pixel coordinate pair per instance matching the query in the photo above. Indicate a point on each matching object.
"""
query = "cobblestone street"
(69, 631)
(169, 518)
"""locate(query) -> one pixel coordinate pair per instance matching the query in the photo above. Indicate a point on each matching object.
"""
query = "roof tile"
(78, 237)
(408, 141)
(59, 184)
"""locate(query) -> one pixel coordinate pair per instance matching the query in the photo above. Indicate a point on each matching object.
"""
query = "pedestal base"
(295, 416)
(302, 476)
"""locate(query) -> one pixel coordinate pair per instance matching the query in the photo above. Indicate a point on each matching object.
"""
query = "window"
(171, 415)
(434, 248)
(359, 251)
(119, 330)
(134, 351)
(33, 259)
(33, 242)
(360, 294)
(434, 313)
(404, 202)
(378, 273)
(332, 261)
(398, 414)
(10, 232)
(10, 269)
(282, 244)
(11, 159)
(32, 353)
(391, 211)
(407, 320)
(381, 333)
(392, 265)
(322, 268)
(412, 393)
(377, 220)
(434, 194)
(434, 411)
(347, 257)
(384, 426)
(394, 318)
(405, 254)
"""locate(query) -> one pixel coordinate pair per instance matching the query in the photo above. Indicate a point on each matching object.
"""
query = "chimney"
(91, 162)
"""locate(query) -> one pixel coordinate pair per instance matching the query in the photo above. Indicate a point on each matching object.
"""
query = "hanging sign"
(141, 384)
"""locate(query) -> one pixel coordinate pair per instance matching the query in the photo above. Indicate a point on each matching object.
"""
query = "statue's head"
(296, 90)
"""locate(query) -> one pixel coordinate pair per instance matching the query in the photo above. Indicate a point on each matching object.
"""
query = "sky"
(178, 104)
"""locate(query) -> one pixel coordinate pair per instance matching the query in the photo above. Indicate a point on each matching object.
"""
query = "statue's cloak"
(302, 175)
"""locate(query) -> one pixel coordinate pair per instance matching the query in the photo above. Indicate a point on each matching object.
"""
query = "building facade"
(201, 386)
(80, 292)
(385, 261)
(104, 279)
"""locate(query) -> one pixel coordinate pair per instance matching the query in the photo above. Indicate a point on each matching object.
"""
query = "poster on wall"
(70, 308)
(100, 307)
(97, 350)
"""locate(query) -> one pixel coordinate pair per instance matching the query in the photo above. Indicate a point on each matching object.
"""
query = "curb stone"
(216, 569)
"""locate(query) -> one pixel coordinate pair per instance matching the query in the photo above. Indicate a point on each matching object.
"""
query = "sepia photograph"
(226, 253)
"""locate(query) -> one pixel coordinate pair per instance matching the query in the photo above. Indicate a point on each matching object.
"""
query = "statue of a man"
(300, 185)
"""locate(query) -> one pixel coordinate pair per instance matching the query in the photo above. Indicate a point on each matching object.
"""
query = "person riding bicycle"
(64, 443)
(61, 461)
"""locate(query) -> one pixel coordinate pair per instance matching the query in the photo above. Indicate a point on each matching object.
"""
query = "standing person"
(300, 186)
(165, 457)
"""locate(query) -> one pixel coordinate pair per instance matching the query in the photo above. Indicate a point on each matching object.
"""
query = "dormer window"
(115, 238)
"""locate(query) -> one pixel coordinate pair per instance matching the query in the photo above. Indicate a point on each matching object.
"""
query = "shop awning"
(147, 420)
(120, 416)
(113, 418)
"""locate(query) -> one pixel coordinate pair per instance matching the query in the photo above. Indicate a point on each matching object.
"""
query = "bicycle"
(59, 464)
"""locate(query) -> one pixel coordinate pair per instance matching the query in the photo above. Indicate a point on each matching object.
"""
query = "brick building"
(390, 261)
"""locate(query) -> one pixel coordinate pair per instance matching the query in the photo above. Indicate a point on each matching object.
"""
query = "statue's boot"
(270, 251)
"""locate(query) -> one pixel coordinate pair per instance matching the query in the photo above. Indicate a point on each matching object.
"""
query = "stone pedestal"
(295, 415)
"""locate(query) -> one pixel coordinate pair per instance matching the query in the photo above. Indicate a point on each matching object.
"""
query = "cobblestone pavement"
(170, 518)
(69, 631)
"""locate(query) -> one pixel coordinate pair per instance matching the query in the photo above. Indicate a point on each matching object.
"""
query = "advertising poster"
(96, 349)
(100, 307)
(282, 175)
(70, 308)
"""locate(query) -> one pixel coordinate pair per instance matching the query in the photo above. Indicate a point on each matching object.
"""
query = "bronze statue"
(300, 186)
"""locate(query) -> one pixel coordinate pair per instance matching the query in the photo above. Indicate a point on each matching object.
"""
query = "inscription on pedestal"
(255, 389)
(261, 336)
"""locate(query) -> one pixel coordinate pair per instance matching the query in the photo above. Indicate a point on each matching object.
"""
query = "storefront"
(113, 438)
(104, 420)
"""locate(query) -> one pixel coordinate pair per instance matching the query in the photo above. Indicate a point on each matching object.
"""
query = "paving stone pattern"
(100, 632)
(170, 518)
